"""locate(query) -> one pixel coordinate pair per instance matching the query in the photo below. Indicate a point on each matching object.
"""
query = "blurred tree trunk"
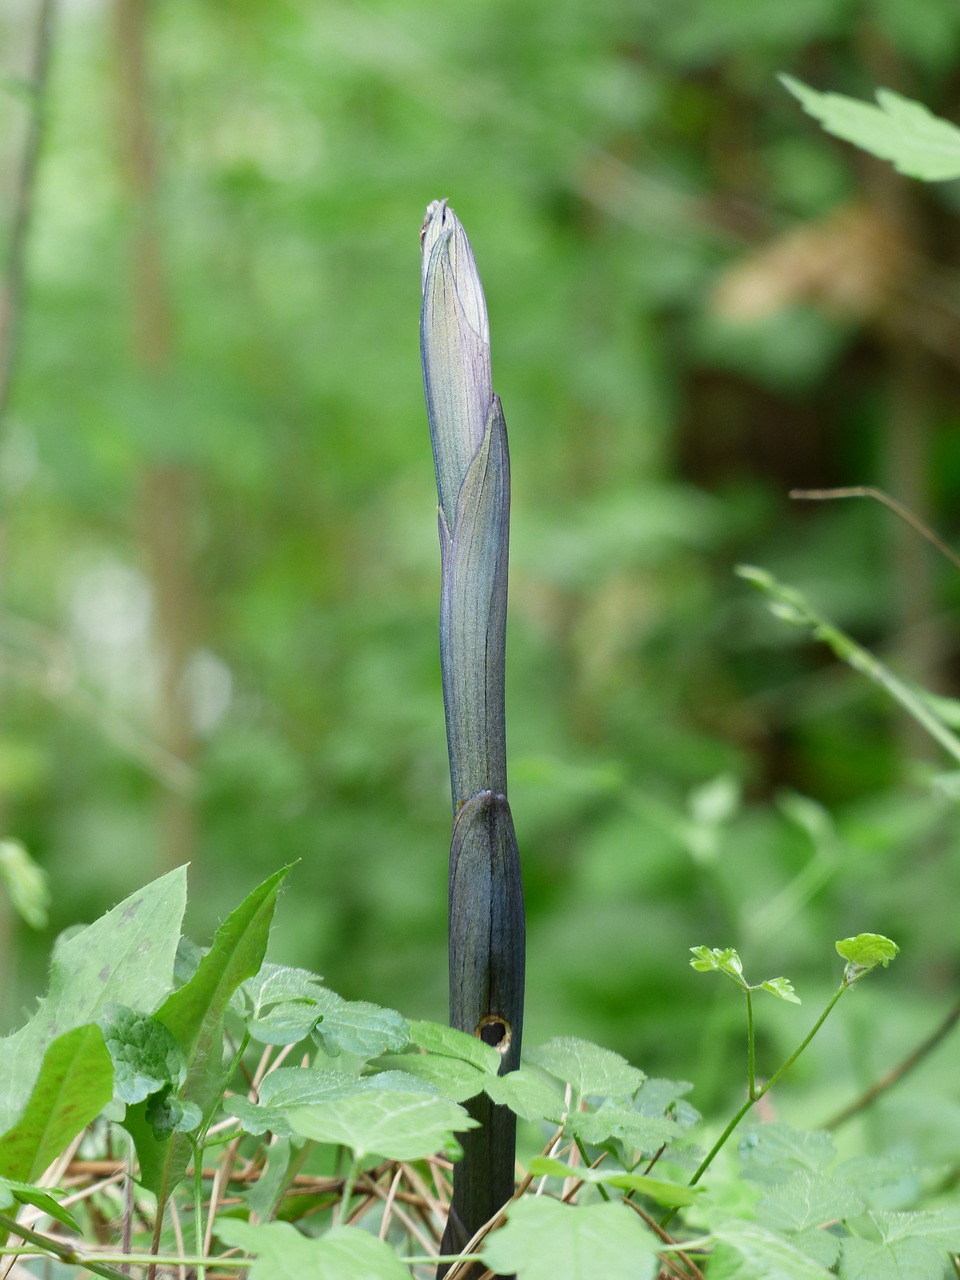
(165, 488)
(11, 307)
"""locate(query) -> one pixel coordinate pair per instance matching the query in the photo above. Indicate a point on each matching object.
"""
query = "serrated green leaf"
(74, 1084)
(669, 1194)
(283, 1253)
(772, 1153)
(807, 1200)
(285, 1088)
(195, 1016)
(454, 1078)
(358, 1028)
(528, 1094)
(546, 1240)
(126, 956)
(591, 1071)
(284, 1002)
(145, 1055)
(766, 1255)
(904, 1260)
(882, 1182)
(657, 1095)
(905, 132)
(392, 1124)
(14, 1192)
(939, 1227)
(867, 950)
(264, 1195)
(714, 959)
(781, 988)
(451, 1043)
(612, 1123)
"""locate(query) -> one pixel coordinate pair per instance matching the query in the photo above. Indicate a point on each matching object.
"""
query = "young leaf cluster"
(270, 1117)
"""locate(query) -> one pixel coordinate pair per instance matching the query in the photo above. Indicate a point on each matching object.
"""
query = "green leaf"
(285, 1088)
(452, 1077)
(25, 883)
(145, 1055)
(126, 957)
(13, 1192)
(905, 1260)
(805, 1200)
(451, 1043)
(356, 1027)
(283, 1253)
(715, 959)
(546, 1240)
(285, 1004)
(772, 1153)
(917, 142)
(588, 1068)
(781, 988)
(612, 1123)
(867, 950)
(392, 1124)
(940, 1227)
(73, 1086)
(668, 1194)
(528, 1094)
(195, 1016)
(767, 1256)
(264, 1195)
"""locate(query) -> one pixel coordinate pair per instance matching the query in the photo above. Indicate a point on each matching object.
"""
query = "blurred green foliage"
(697, 302)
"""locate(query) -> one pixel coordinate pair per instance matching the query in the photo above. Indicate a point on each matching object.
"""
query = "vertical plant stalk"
(486, 930)
(166, 488)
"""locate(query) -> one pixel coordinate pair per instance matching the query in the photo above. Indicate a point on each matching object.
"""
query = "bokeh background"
(219, 553)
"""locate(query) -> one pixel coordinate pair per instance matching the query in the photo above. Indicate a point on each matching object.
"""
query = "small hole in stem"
(495, 1032)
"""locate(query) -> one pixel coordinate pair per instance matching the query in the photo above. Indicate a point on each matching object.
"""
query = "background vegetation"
(220, 565)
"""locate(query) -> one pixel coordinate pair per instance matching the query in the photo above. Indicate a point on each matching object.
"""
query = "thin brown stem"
(868, 491)
(898, 1073)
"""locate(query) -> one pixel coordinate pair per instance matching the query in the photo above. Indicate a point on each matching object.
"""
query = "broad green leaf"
(665, 1099)
(285, 1088)
(13, 1193)
(125, 957)
(767, 1256)
(453, 1077)
(195, 1016)
(669, 1194)
(284, 1253)
(940, 1227)
(383, 1122)
(73, 1086)
(546, 1240)
(867, 950)
(451, 1043)
(781, 988)
(145, 1055)
(588, 1068)
(807, 1200)
(285, 1005)
(917, 142)
(772, 1153)
(882, 1182)
(264, 1195)
(713, 959)
(356, 1027)
(528, 1094)
(903, 1260)
(611, 1123)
